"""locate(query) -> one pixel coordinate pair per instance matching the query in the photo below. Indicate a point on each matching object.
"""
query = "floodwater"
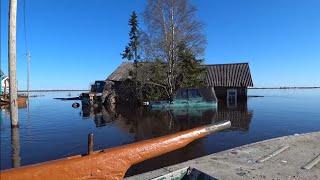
(51, 129)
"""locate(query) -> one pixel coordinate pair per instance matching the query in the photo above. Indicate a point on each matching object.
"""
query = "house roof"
(122, 72)
(226, 75)
(229, 75)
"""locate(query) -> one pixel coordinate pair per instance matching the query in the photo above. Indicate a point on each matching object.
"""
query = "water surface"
(52, 129)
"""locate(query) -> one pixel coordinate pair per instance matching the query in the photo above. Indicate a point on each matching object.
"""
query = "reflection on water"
(183, 119)
(144, 123)
(99, 114)
(15, 143)
(238, 114)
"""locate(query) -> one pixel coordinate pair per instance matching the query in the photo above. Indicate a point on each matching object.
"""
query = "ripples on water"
(52, 129)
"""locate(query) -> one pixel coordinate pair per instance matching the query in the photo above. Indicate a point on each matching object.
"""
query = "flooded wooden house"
(114, 81)
(230, 81)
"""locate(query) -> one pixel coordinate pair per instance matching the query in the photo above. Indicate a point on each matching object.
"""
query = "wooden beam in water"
(90, 143)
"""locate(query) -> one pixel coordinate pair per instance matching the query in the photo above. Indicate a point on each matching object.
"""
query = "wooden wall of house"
(221, 92)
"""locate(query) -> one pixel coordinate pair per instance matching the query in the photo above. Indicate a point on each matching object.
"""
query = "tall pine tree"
(131, 53)
(131, 50)
(191, 72)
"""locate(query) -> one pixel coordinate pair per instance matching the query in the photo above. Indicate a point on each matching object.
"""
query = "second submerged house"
(230, 81)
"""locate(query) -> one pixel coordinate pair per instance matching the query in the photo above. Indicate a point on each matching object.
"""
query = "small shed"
(230, 81)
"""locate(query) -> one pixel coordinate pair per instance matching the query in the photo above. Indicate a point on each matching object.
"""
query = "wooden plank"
(273, 154)
(312, 163)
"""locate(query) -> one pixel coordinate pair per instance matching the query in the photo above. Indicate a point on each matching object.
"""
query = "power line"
(25, 26)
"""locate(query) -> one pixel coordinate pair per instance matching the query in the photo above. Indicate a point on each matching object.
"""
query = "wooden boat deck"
(289, 157)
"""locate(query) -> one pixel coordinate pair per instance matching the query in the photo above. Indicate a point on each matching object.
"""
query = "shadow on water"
(101, 115)
(15, 140)
(144, 123)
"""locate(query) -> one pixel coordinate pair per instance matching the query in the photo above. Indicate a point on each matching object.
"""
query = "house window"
(193, 93)
(182, 94)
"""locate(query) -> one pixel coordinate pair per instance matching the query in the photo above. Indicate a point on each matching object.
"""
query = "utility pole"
(28, 73)
(0, 70)
(1, 84)
(12, 63)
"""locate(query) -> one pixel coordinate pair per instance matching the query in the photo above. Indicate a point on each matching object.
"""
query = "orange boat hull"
(111, 163)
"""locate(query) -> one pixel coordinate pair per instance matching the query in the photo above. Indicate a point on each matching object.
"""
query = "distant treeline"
(313, 87)
(53, 90)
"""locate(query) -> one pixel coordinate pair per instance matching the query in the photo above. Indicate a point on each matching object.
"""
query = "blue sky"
(75, 42)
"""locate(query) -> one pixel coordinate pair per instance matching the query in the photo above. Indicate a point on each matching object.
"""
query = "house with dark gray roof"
(230, 81)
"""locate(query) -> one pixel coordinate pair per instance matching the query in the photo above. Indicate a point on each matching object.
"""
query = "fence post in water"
(90, 143)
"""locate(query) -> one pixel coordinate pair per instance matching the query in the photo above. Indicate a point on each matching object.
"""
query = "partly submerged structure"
(95, 93)
(230, 81)
(189, 98)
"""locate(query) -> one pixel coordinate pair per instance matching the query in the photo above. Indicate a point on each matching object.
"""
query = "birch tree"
(169, 23)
